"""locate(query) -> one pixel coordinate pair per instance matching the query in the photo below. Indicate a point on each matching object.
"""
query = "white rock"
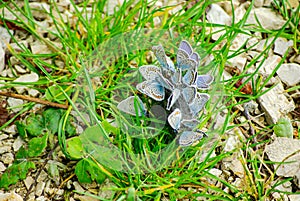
(40, 188)
(275, 104)
(297, 59)
(19, 69)
(18, 143)
(216, 15)
(38, 48)
(33, 92)
(269, 65)
(294, 197)
(28, 182)
(285, 150)
(32, 77)
(238, 61)
(216, 172)
(2, 59)
(239, 41)
(111, 5)
(5, 149)
(19, 47)
(281, 45)
(5, 37)
(263, 44)
(41, 198)
(267, 18)
(2, 167)
(39, 10)
(3, 137)
(234, 140)
(10, 197)
(15, 104)
(7, 14)
(7, 158)
(258, 3)
(289, 74)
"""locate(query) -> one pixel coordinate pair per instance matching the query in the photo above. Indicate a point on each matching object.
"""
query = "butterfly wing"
(164, 82)
(164, 61)
(149, 72)
(189, 77)
(132, 105)
(203, 81)
(152, 89)
(188, 138)
(184, 45)
(173, 98)
(189, 94)
(199, 102)
(190, 123)
(174, 119)
(187, 64)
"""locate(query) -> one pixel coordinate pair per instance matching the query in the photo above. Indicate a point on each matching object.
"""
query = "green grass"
(95, 41)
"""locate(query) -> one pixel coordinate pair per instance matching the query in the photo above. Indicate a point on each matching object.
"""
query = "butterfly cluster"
(181, 83)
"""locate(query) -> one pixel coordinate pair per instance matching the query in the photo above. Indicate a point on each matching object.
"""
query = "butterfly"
(186, 57)
(132, 105)
(198, 103)
(188, 138)
(155, 83)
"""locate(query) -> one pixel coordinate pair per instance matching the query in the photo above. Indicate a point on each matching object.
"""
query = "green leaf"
(88, 171)
(283, 128)
(96, 144)
(109, 128)
(70, 129)
(21, 129)
(75, 148)
(53, 93)
(15, 172)
(51, 119)
(35, 125)
(37, 145)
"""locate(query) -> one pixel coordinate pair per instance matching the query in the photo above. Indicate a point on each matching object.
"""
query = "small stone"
(32, 77)
(43, 175)
(41, 198)
(5, 149)
(275, 104)
(78, 187)
(285, 150)
(281, 45)
(10, 197)
(111, 6)
(15, 104)
(3, 137)
(2, 167)
(263, 44)
(294, 197)
(10, 129)
(5, 37)
(238, 61)
(217, 15)
(289, 74)
(28, 182)
(39, 10)
(20, 69)
(239, 41)
(38, 48)
(33, 92)
(18, 143)
(7, 158)
(16, 47)
(266, 17)
(269, 65)
(2, 59)
(39, 188)
(258, 3)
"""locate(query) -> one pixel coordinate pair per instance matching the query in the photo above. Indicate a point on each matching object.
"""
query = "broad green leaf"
(21, 129)
(87, 171)
(15, 172)
(37, 145)
(51, 119)
(53, 93)
(95, 143)
(35, 125)
(74, 147)
(283, 128)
